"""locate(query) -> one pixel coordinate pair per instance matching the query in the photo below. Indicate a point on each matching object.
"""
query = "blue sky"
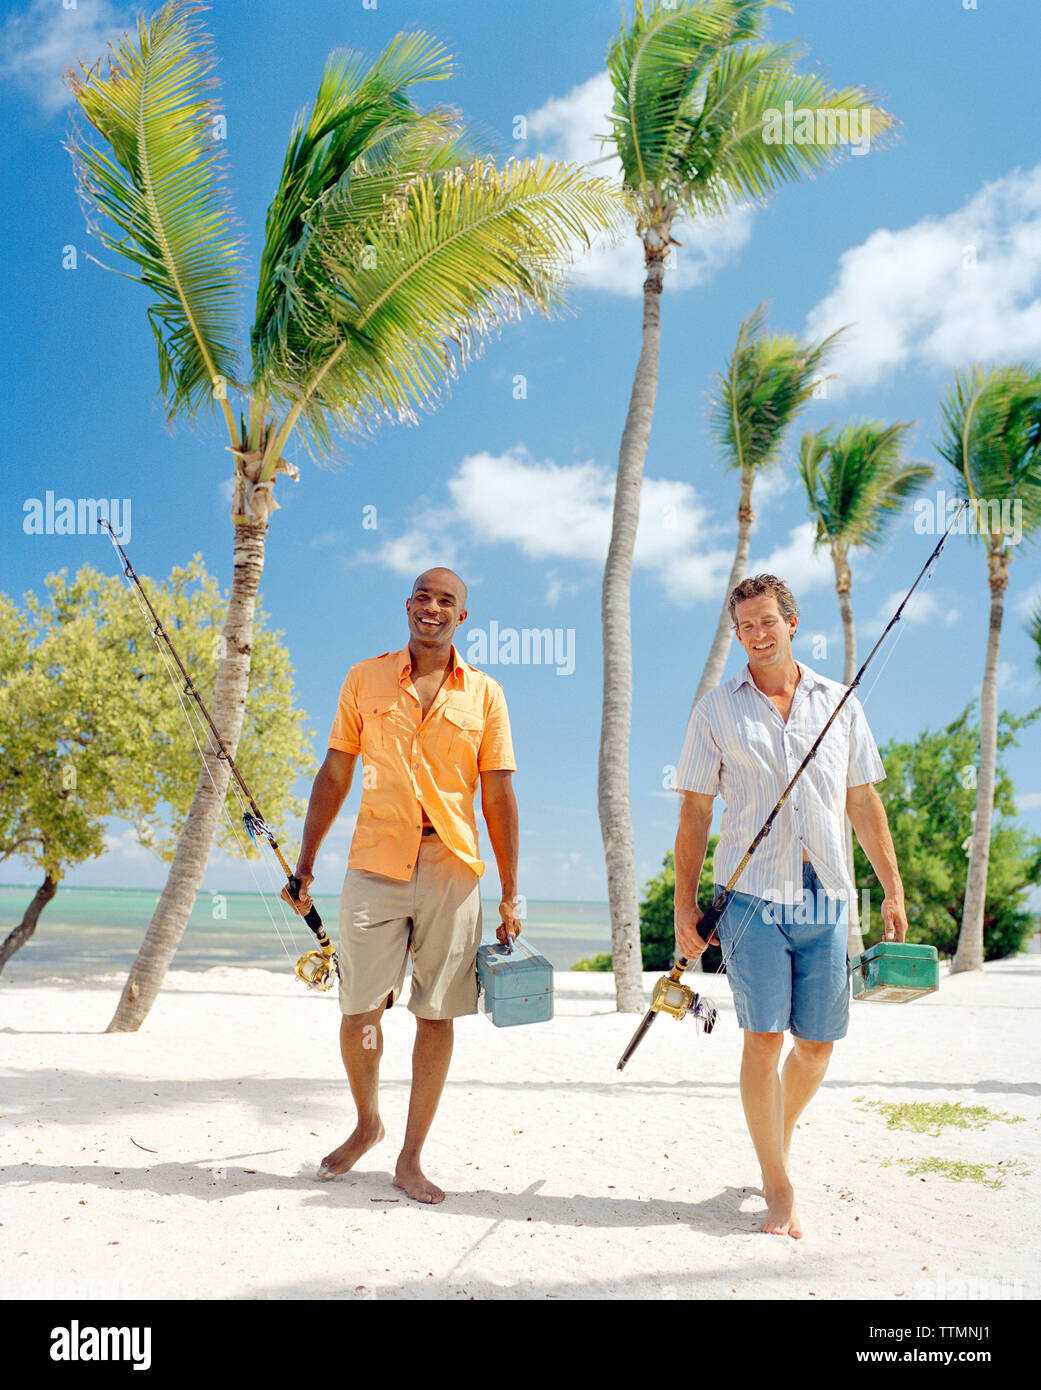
(931, 245)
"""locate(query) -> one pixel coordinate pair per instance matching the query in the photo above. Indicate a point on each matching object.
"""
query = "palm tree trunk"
(717, 657)
(613, 784)
(19, 935)
(193, 850)
(843, 586)
(969, 955)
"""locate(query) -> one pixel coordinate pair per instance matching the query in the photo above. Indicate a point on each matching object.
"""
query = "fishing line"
(191, 717)
(315, 968)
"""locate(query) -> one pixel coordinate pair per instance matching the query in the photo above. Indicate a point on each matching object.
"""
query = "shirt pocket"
(462, 728)
(379, 721)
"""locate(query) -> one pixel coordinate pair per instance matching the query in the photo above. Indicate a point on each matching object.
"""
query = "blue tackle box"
(516, 985)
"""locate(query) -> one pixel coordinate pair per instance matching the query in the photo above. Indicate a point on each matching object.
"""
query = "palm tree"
(856, 484)
(992, 441)
(392, 248)
(695, 89)
(767, 382)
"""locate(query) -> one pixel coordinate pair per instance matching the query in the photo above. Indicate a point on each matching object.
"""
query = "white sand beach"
(179, 1162)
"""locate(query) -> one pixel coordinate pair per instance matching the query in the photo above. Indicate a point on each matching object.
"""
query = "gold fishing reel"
(673, 997)
(317, 970)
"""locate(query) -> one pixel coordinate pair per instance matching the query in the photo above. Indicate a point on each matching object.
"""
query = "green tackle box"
(895, 971)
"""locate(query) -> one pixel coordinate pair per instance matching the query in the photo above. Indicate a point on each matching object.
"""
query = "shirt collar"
(404, 662)
(806, 679)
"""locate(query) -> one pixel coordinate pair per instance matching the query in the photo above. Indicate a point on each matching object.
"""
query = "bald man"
(428, 727)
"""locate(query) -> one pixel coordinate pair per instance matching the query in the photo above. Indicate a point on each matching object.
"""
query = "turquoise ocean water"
(95, 931)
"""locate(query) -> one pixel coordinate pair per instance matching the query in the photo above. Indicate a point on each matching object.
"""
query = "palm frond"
(697, 96)
(857, 481)
(768, 380)
(160, 185)
(389, 308)
(398, 154)
(991, 438)
(357, 110)
(656, 64)
(738, 145)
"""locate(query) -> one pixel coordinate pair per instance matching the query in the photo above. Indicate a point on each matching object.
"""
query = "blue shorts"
(789, 968)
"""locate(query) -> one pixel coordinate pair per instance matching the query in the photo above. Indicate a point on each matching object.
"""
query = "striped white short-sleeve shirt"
(739, 747)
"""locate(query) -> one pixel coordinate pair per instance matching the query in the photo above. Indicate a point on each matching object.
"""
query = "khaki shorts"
(435, 917)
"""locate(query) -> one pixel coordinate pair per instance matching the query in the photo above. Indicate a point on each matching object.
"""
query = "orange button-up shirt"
(411, 764)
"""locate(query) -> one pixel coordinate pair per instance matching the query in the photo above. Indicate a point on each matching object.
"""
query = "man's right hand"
(302, 904)
(688, 940)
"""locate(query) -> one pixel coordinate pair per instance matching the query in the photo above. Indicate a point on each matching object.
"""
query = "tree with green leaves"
(857, 481)
(91, 730)
(768, 380)
(393, 246)
(657, 914)
(696, 93)
(930, 795)
(991, 439)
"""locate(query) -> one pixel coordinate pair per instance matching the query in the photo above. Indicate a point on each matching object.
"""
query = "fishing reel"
(317, 970)
(676, 999)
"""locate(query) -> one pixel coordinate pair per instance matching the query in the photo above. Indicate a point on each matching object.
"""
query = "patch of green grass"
(959, 1171)
(924, 1117)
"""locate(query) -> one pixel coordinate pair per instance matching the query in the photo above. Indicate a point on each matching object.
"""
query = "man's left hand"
(894, 919)
(509, 927)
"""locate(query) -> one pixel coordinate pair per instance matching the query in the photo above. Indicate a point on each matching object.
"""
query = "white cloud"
(1028, 601)
(922, 607)
(944, 292)
(568, 128)
(556, 512)
(430, 541)
(1010, 681)
(557, 588)
(545, 509)
(38, 44)
(796, 562)
(128, 847)
(1028, 801)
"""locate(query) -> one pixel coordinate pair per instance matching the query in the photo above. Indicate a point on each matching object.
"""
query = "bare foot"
(781, 1218)
(411, 1180)
(343, 1159)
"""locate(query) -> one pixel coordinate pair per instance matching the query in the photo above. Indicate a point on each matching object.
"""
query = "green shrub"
(930, 796)
(602, 961)
(657, 926)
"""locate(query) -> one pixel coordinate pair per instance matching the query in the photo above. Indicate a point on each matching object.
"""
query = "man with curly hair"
(783, 933)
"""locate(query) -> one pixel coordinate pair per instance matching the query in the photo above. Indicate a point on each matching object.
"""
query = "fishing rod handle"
(711, 916)
(312, 919)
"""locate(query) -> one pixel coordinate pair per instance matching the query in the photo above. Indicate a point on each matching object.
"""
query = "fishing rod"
(670, 995)
(314, 968)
